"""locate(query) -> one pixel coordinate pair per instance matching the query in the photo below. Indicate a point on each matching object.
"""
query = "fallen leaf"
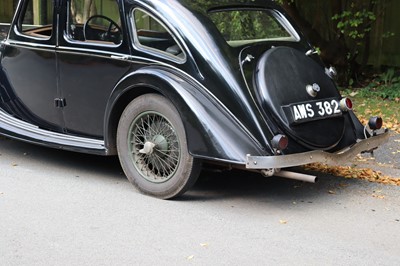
(367, 111)
(204, 244)
(283, 222)
(332, 192)
(378, 196)
(14, 164)
(190, 257)
(352, 172)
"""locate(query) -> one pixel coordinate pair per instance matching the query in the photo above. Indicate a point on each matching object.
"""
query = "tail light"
(346, 104)
(280, 142)
(375, 122)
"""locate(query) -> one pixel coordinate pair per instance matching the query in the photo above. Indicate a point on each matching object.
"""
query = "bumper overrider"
(337, 158)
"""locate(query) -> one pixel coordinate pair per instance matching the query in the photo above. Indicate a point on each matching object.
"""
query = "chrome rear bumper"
(345, 155)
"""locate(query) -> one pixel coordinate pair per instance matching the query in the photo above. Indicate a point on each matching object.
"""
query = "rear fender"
(212, 132)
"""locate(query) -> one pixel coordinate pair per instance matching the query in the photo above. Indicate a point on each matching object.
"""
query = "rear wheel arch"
(127, 96)
(127, 91)
(212, 133)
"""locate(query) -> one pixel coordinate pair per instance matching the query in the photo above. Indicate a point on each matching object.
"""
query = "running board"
(19, 129)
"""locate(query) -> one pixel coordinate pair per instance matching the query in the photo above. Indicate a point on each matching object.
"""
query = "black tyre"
(152, 148)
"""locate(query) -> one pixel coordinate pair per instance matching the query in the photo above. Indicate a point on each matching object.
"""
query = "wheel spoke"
(159, 163)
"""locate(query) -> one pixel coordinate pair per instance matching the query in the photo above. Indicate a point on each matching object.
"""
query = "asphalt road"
(62, 208)
(386, 159)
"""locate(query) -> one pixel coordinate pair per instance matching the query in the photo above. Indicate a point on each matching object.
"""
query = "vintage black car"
(168, 85)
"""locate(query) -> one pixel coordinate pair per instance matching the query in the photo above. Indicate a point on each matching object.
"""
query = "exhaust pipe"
(297, 176)
(290, 175)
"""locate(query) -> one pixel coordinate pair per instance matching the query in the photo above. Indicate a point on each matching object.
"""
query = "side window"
(151, 34)
(37, 19)
(244, 26)
(95, 21)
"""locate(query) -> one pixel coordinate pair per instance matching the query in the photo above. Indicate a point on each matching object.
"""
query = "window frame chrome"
(68, 39)
(153, 51)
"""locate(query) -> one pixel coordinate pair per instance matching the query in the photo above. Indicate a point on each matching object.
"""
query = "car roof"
(190, 18)
(204, 6)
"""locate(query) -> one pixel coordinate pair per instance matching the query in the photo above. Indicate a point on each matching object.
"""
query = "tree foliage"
(247, 25)
(344, 39)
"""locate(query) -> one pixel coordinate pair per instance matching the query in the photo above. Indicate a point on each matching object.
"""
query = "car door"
(92, 59)
(29, 66)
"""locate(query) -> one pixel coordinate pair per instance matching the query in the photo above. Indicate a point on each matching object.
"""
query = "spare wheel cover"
(281, 78)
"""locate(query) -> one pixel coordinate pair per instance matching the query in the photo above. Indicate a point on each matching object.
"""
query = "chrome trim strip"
(30, 45)
(90, 43)
(14, 125)
(284, 161)
(21, 34)
(94, 52)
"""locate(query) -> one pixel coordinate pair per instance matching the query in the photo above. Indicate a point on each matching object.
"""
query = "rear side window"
(37, 19)
(244, 26)
(152, 35)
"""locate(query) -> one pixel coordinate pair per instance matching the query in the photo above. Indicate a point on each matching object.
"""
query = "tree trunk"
(367, 38)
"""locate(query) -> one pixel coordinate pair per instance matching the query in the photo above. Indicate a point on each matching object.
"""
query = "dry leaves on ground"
(351, 172)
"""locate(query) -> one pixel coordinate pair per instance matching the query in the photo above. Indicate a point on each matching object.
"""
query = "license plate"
(313, 110)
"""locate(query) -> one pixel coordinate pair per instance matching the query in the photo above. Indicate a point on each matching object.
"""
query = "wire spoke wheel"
(152, 148)
(155, 147)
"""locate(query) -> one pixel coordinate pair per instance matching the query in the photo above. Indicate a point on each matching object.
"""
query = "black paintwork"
(224, 113)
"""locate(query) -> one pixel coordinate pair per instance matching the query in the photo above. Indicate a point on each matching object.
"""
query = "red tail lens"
(280, 142)
(375, 122)
(346, 104)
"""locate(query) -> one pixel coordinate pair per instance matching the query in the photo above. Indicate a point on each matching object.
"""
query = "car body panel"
(31, 71)
(67, 91)
(86, 115)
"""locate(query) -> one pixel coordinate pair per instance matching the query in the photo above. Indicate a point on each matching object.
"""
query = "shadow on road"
(211, 186)
(253, 186)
